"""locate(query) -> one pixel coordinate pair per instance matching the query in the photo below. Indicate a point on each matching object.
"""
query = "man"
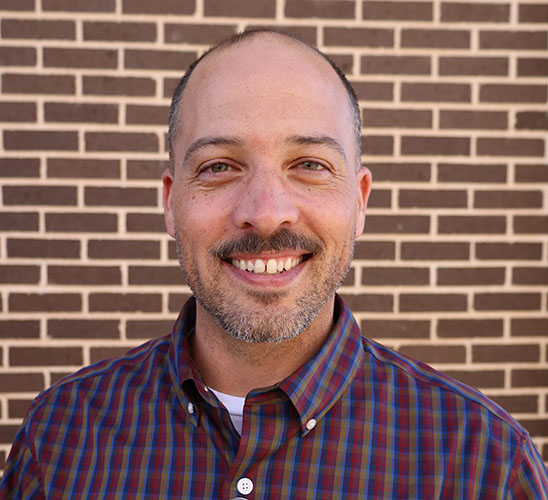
(265, 388)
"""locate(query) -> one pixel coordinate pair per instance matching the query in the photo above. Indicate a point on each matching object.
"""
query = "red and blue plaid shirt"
(357, 421)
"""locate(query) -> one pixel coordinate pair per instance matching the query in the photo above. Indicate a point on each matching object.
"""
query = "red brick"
(40, 248)
(432, 302)
(536, 377)
(400, 172)
(470, 120)
(84, 275)
(80, 58)
(176, 301)
(146, 169)
(535, 427)
(77, 168)
(17, 56)
(491, 146)
(428, 198)
(517, 404)
(533, 66)
(530, 224)
(38, 140)
(440, 39)
(18, 112)
(471, 224)
(345, 62)
(155, 275)
(39, 195)
(482, 379)
(507, 199)
(22, 382)
(308, 34)
(512, 251)
(97, 354)
(532, 120)
(80, 112)
(17, 5)
(427, 145)
(309, 9)
(531, 173)
(19, 329)
(533, 13)
(401, 118)
(158, 59)
(380, 198)
(492, 66)
(19, 274)
(395, 65)
(435, 353)
(470, 173)
(410, 224)
(45, 302)
(128, 302)
(121, 141)
(45, 356)
(207, 34)
(145, 223)
(123, 32)
(147, 115)
(37, 84)
(435, 92)
(407, 329)
(18, 221)
(465, 276)
(359, 37)
(124, 86)
(79, 5)
(41, 30)
(375, 250)
(378, 145)
(81, 222)
(435, 250)
(374, 91)
(123, 249)
(163, 7)
(372, 302)
(457, 328)
(530, 276)
(146, 329)
(113, 196)
(529, 327)
(83, 329)
(506, 301)
(17, 408)
(475, 12)
(19, 167)
(393, 10)
(390, 276)
(513, 93)
(514, 40)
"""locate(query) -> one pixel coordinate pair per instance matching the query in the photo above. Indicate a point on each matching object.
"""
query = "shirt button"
(244, 486)
(311, 424)
(190, 408)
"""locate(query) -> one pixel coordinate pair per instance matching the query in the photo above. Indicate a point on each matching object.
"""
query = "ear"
(364, 189)
(167, 179)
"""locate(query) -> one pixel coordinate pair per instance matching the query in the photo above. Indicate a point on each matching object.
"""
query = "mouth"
(268, 265)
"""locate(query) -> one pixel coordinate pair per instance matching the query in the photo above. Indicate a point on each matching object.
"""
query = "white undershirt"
(235, 407)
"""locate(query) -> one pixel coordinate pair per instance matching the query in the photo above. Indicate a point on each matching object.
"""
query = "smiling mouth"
(268, 266)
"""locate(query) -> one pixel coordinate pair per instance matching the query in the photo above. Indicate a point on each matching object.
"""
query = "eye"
(311, 165)
(218, 168)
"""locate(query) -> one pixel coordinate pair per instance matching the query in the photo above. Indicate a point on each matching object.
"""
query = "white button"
(311, 424)
(190, 408)
(244, 485)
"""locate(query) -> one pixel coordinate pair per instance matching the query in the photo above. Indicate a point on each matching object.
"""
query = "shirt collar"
(314, 388)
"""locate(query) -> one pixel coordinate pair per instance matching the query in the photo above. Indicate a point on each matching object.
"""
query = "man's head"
(266, 195)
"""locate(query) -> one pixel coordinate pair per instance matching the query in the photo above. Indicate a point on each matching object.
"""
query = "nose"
(266, 203)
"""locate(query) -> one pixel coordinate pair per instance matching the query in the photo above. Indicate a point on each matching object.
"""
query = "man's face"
(266, 199)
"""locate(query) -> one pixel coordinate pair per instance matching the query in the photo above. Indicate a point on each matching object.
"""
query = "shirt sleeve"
(21, 476)
(530, 478)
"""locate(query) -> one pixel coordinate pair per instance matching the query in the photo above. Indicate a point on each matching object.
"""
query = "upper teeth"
(270, 266)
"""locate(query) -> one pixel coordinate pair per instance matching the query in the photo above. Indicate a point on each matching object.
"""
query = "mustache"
(283, 239)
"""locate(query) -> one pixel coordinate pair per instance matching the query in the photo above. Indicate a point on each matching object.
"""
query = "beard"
(268, 320)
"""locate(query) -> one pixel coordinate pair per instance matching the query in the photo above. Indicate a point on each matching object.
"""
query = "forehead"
(260, 80)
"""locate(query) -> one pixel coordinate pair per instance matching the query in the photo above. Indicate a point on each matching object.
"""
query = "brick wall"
(453, 266)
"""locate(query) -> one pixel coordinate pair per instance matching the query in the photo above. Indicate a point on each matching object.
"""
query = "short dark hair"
(179, 90)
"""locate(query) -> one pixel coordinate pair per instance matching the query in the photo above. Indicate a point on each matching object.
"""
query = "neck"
(236, 367)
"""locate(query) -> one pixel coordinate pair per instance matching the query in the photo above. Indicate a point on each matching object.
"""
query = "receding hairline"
(249, 35)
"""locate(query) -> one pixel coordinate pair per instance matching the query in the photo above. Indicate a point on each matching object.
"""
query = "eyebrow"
(204, 142)
(322, 140)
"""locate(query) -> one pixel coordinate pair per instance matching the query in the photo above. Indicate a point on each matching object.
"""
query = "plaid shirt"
(356, 421)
